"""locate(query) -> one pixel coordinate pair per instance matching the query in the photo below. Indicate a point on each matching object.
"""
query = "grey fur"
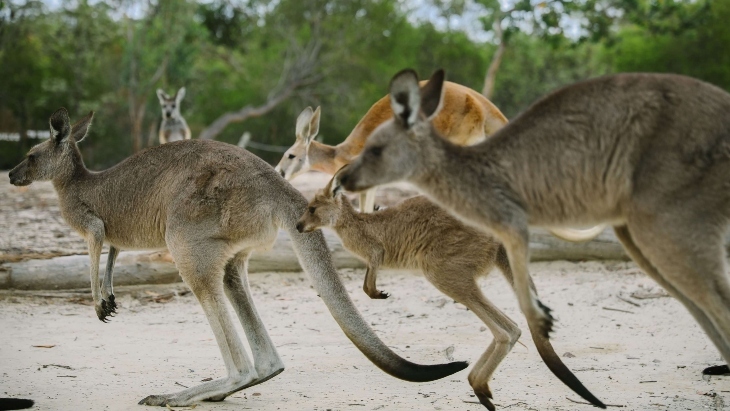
(211, 204)
(647, 153)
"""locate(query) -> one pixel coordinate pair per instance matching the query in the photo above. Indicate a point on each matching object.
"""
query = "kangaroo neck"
(322, 158)
(72, 172)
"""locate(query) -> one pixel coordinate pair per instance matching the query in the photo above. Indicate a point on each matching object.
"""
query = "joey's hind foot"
(379, 295)
(485, 397)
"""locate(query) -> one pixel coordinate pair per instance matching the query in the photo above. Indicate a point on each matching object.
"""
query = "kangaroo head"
(170, 105)
(397, 149)
(295, 161)
(325, 208)
(55, 157)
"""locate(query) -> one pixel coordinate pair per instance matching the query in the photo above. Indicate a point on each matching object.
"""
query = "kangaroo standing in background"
(467, 118)
(211, 204)
(173, 126)
(647, 153)
(417, 234)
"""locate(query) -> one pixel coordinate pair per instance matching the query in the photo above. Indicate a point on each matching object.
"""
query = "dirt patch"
(642, 355)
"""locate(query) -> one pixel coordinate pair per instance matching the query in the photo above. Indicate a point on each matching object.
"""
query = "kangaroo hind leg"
(266, 359)
(204, 275)
(464, 289)
(688, 256)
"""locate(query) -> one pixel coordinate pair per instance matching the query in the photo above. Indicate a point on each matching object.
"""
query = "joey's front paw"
(106, 309)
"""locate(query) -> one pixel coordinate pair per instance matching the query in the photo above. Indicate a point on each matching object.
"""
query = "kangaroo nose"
(300, 227)
(283, 173)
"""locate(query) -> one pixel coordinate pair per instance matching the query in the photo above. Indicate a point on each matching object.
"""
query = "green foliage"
(88, 55)
(699, 50)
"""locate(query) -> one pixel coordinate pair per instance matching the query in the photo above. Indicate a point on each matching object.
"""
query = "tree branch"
(299, 71)
(491, 75)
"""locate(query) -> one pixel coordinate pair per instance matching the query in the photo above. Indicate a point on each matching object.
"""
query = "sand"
(643, 355)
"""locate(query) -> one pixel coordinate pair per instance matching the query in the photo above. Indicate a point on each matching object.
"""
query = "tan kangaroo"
(211, 204)
(647, 153)
(467, 118)
(173, 126)
(417, 234)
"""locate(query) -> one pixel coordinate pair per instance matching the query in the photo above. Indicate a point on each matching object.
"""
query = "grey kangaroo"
(211, 204)
(647, 153)
(173, 126)
(417, 234)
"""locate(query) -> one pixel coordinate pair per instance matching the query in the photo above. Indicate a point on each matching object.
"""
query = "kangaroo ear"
(303, 124)
(335, 187)
(405, 97)
(60, 125)
(162, 96)
(314, 124)
(180, 95)
(431, 94)
(81, 127)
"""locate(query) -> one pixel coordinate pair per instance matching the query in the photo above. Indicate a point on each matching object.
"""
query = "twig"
(58, 365)
(184, 386)
(641, 382)
(587, 403)
(616, 309)
(69, 376)
(626, 300)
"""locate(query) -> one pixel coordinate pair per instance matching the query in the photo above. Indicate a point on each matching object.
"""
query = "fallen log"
(145, 267)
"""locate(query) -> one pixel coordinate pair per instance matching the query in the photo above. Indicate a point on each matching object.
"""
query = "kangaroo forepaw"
(106, 309)
(546, 320)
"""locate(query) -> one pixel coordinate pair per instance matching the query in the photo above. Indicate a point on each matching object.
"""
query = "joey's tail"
(316, 260)
(545, 348)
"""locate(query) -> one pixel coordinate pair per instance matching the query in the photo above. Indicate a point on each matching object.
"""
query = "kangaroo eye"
(376, 151)
(312, 210)
(291, 156)
(173, 106)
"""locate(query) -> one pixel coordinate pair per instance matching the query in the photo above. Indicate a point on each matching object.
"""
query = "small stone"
(569, 355)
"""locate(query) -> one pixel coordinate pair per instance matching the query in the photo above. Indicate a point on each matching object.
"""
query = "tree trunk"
(491, 75)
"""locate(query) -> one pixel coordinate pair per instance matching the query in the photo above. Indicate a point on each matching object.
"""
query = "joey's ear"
(81, 127)
(303, 124)
(180, 95)
(405, 97)
(335, 187)
(60, 125)
(314, 124)
(162, 96)
(431, 94)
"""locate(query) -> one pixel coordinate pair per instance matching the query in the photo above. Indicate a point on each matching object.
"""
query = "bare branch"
(299, 72)
(491, 76)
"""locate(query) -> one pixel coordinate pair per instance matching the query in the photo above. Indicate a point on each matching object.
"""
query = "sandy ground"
(643, 355)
